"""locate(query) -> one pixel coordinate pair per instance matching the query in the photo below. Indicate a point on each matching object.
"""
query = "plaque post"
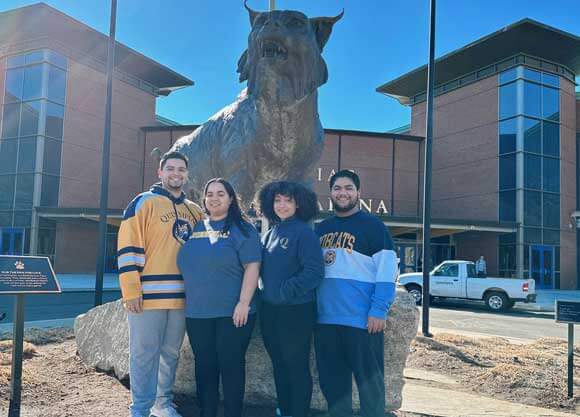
(17, 343)
(570, 360)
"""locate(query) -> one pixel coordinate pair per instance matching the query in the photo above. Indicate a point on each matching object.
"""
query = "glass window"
(46, 239)
(27, 155)
(15, 61)
(507, 135)
(33, 57)
(46, 224)
(532, 171)
(557, 257)
(57, 59)
(507, 172)
(551, 174)
(507, 238)
(532, 135)
(532, 235)
(532, 75)
(56, 84)
(551, 211)
(8, 153)
(551, 237)
(5, 218)
(32, 83)
(22, 218)
(551, 104)
(52, 155)
(24, 191)
(14, 85)
(447, 270)
(10, 120)
(54, 120)
(551, 139)
(550, 79)
(507, 257)
(49, 194)
(532, 208)
(29, 118)
(507, 206)
(532, 99)
(508, 103)
(507, 76)
(6, 191)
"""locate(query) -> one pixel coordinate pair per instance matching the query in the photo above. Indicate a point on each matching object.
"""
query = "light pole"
(105, 162)
(427, 174)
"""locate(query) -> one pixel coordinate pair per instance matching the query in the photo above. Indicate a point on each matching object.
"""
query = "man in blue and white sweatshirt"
(353, 302)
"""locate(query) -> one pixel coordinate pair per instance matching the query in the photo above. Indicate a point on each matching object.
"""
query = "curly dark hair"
(235, 214)
(306, 200)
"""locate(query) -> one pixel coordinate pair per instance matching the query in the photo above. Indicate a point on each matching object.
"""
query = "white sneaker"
(164, 412)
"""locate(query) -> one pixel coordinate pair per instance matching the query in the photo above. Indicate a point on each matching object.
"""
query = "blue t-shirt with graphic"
(212, 265)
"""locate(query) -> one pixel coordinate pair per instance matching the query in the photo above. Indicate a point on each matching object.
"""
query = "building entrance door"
(407, 258)
(12, 241)
(542, 266)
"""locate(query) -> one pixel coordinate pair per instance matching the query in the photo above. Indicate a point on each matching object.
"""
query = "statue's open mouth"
(272, 49)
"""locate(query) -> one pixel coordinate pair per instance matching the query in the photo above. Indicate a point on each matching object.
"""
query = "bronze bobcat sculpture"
(272, 131)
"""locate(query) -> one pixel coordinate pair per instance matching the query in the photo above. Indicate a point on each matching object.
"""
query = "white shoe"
(164, 412)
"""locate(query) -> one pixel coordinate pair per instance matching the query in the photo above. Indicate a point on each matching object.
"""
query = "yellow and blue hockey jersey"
(155, 225)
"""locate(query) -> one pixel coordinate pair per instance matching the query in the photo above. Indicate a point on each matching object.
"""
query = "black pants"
(342, 351)
(287, 333)
(219, 349)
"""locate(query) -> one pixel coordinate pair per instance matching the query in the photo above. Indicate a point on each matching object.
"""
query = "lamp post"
(105, 162)
(427, 174)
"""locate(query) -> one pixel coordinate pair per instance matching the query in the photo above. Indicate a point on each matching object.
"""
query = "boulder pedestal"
(103, 342)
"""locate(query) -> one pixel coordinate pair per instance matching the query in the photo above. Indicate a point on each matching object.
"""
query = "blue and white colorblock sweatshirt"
(360, 270)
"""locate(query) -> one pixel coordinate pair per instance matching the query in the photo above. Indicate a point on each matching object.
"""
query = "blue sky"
(376, 41)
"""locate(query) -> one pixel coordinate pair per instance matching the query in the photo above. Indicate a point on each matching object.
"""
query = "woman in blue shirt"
(292, 268)
(220, 266)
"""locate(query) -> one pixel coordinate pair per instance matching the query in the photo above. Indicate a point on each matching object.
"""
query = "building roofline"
(386, 135)
(94, 43)
(525, 36)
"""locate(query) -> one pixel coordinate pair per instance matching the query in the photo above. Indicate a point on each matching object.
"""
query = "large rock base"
(103, 342)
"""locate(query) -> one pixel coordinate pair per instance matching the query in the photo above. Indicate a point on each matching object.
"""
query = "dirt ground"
(57, 384)
(533, 374)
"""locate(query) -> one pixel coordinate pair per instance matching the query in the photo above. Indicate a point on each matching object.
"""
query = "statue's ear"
(252, 13)
(243, 68)
(323, 28)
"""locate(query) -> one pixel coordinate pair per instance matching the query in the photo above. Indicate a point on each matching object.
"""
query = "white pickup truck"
(458, 279)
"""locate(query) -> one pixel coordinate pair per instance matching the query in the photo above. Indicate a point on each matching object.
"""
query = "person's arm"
(250, 255)
(385, 261)
(249, 285)
(311, 270)
(131, 255)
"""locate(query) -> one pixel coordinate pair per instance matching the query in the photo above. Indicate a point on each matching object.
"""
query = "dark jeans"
(219, 349)
(287, 333)
(342, 351)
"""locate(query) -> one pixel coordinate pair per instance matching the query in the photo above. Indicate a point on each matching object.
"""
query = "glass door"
(542, 266)
(12, 241)
(407, 258)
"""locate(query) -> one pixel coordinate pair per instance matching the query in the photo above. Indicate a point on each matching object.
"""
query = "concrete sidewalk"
(437, 395)
(546, 300)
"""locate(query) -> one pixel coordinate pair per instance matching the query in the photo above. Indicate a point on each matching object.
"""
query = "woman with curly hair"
(220, 266)
(292, 268)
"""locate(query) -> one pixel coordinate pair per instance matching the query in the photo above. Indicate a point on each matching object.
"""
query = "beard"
(344, 209)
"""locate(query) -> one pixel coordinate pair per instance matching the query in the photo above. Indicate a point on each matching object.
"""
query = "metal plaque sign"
(27, 275)
(567, 311)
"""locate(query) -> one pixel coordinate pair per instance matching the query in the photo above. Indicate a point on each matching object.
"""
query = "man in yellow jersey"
(155, 225)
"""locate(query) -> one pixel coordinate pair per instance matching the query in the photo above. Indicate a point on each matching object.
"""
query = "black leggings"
(219, 349)
(287, 333)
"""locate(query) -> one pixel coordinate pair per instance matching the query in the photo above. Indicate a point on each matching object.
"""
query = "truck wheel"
(497, 301)
(416, 292)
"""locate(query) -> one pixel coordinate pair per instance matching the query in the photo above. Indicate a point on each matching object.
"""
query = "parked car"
(458, 279)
